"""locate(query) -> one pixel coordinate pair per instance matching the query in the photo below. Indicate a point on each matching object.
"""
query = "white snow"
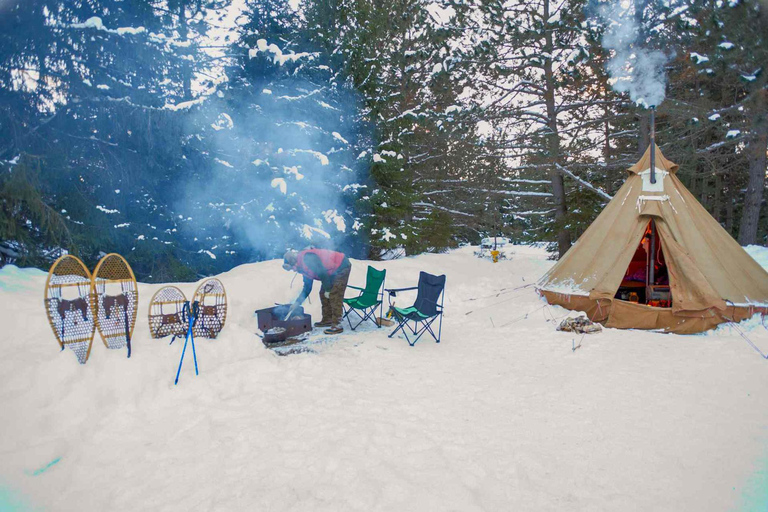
(224, 163)
(132, 31)
(326, 105)
(223, 122)
(96, 23)
(105, 209)
(698, 58)
(714, 117)
(93, 22)
(294, 170)
(732, 134)
(278, 57)
(726, 45)
(280, 184)
(337, 136)
(353, 186)
(377, 158)
(311, 232)
(332, 216)
(266, 91)
(184, 105)
(759, 254)
(442, 15)
(321, 157)
(387, 235)
(501, 415)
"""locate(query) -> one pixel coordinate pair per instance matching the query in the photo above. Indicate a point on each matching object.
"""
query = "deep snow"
(502, 415)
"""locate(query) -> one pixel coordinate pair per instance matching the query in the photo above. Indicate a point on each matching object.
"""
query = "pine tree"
(722, 72)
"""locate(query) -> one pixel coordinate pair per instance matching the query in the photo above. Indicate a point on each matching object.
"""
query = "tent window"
(646, 280)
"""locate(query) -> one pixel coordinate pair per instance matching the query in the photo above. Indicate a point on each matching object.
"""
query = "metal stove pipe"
(653, 145)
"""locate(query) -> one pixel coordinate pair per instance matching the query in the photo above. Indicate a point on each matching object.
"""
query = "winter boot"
(335, 329)
(323, 323)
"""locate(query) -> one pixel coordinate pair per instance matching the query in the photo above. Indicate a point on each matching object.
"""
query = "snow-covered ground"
(502, 415)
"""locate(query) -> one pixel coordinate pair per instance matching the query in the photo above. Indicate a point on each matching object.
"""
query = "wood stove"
(276, 329)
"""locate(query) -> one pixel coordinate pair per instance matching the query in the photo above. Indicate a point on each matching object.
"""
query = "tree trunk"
(731, 198)
(758, 145)
(704, 194)
(558, 182)
(717, 207)
(185, 67)
(643, 134)
(694, 184)
(607, 153)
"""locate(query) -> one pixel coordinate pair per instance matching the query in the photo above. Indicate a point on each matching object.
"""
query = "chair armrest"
(393, 291)
(354, 287)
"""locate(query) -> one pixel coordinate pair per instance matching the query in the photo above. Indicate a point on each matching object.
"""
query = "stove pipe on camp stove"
(653, 145)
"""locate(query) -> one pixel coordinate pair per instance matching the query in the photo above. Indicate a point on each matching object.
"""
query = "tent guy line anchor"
(574, 347)
(743, 335)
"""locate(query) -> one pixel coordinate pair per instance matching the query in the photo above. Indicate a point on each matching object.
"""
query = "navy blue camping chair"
(428, 307)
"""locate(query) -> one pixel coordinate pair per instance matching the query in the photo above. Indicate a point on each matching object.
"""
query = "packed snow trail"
(492, 418)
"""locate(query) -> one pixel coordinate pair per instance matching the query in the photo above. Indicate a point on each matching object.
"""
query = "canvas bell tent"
(656, 259)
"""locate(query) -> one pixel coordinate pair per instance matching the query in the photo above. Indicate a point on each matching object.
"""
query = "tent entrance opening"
(646, 280)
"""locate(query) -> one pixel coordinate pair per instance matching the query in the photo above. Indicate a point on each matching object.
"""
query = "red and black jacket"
(319, 265)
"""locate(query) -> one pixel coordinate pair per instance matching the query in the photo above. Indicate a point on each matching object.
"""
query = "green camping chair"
(368, 301)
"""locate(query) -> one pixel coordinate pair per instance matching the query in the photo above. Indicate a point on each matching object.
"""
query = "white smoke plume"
(633, 69)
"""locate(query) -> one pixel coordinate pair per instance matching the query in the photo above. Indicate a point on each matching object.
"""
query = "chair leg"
(370, 314)
(362, 319)
(427, 327)
(347, 310)
(407, 338)
(400, 325)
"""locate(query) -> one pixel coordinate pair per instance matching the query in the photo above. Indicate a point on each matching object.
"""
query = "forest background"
(192, 136)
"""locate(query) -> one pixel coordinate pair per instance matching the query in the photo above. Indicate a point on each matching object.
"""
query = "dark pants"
(333, 307)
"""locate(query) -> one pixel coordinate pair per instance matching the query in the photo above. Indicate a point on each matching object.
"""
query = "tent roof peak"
(661, 162)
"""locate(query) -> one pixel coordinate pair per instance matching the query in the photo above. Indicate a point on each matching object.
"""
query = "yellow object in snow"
(495, 256)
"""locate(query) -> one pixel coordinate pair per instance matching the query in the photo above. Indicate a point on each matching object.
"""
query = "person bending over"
(332, 269)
